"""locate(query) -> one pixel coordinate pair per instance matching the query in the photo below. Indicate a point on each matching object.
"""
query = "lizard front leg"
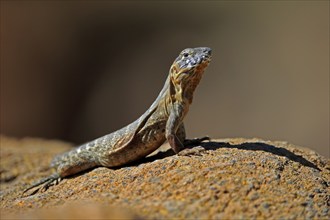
(175, 131)
(173, 123)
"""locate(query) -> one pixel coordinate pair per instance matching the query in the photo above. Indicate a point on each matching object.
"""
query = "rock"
(230, 178)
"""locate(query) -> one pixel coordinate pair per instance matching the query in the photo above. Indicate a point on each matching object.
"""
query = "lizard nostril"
(207, 50)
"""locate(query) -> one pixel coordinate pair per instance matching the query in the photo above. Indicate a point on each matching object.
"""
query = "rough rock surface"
(226, 178)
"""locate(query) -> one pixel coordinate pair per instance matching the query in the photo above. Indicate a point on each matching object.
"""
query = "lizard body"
(162, 121)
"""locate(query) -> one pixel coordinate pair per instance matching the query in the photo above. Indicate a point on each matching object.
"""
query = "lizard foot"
(47, 182)
(196, 141)
(192, 147)
(196, 151)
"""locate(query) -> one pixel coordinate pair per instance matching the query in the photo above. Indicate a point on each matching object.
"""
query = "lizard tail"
(51, 180)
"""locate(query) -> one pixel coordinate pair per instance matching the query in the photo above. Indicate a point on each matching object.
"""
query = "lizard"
(162, 121)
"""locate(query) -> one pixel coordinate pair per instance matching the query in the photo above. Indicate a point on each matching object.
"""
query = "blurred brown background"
(78, 70)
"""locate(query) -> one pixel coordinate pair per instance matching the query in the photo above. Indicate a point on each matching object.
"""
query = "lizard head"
(191, 61)
(187, 70)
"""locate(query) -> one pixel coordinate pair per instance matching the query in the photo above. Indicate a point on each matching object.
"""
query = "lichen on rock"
(230, 178)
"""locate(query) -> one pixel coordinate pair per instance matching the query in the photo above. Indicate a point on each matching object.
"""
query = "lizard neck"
(183, 91)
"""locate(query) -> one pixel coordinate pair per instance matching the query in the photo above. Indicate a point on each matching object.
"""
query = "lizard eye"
(185, 54)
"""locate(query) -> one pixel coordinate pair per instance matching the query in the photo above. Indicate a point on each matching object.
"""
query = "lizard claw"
(205, 138)
(196, 141)
(196, 151)
(192, 147)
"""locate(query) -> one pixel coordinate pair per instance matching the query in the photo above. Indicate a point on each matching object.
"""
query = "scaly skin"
(162, 121)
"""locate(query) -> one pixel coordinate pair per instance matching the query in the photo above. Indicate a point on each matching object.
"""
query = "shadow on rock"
(255, 146)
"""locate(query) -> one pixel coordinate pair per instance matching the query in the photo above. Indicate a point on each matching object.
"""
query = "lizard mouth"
(207, 55)
(202, 57)
(195, 62)
(206, 59)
